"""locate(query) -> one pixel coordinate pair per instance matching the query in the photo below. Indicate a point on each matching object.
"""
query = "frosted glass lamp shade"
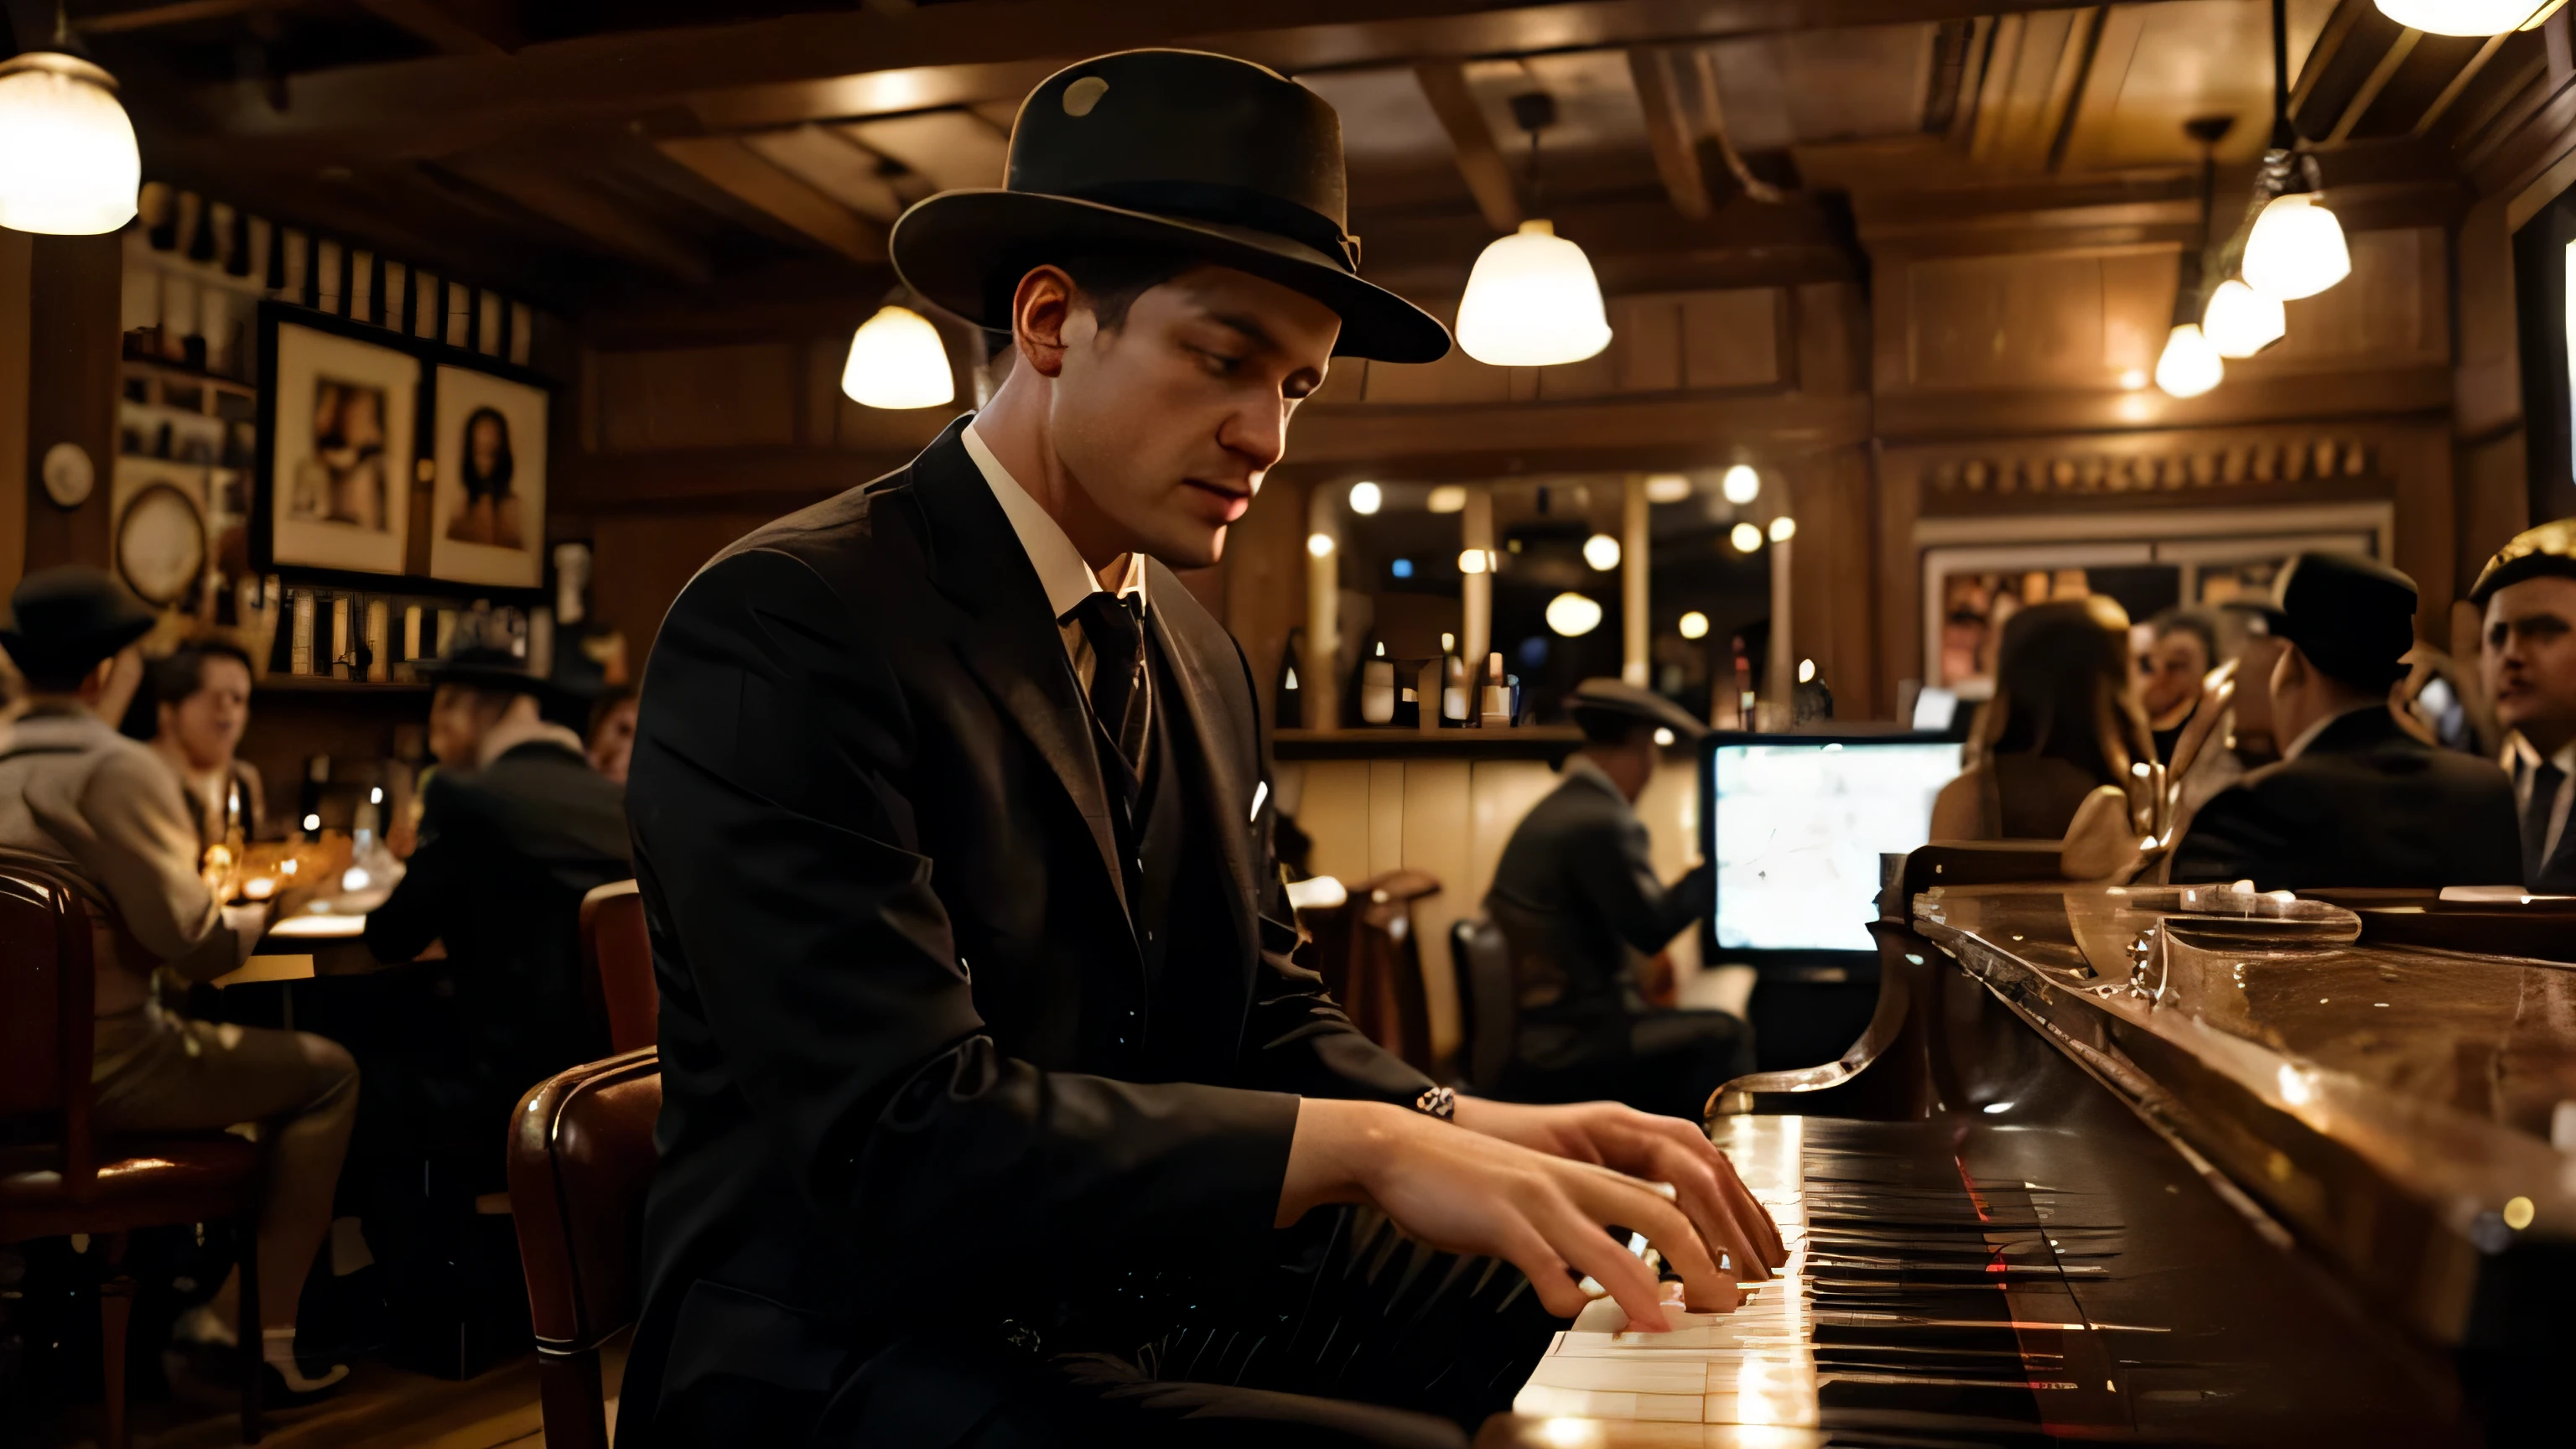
(2296, 249)
(896, 361)
(2190, 366)
(2241, 321)
(1742, 484)
(1532, 301)
(68, 166)
(2468, 17)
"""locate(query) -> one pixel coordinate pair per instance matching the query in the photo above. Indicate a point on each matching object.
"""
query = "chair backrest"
(47, 1014)
(1365, 951)
(619, 956)
(581, 1157)
(1488, 1005)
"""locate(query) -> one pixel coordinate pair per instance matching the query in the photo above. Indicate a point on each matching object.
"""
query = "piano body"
(2155, 1165)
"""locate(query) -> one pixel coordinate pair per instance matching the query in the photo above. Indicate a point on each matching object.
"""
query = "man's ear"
(1041, 310)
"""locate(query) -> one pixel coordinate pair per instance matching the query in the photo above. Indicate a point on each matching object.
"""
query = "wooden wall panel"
(1732, 339)
(1437, 812)
(17, 261)
(2061, 320)
(639, 564)
(2390, 311)
(699, 397)
(1834, 581)
(75, 296)
(1709, 341)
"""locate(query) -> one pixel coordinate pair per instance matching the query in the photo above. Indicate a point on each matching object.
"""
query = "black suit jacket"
(2365, 804)
(506, 853)
(915, 1082)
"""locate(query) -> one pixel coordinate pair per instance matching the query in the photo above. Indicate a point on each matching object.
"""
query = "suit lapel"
(1012, 645)
(1221, 790)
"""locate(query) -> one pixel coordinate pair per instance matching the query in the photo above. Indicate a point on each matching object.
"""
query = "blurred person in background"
(612, 733)
(1577, 899)
(2528, 665)
(2356, 799)
(2180, 648)
(2062, 724)
(202, 694)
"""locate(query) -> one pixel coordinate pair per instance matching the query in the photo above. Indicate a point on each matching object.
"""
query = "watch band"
(1438, 1102)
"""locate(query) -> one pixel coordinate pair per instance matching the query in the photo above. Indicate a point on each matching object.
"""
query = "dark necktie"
(1115, 624)
(2545, 780)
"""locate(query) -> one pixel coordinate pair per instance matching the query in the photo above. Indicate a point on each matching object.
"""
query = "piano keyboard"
(1939, 1310)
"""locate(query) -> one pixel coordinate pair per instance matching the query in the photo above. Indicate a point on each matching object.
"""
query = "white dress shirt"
(1061, 572)
(2520, 759)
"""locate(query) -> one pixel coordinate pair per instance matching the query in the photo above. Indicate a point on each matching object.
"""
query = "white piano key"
(1543, 1401)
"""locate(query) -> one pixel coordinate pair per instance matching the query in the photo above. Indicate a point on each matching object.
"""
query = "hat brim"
(56, 656)
(1671, 716)
(948, 248)
(2518, 570)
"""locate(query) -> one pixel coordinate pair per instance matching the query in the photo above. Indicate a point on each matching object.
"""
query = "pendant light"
(68, 166)
(2189, 365)
(2469, 17)
(1532, 300)
(2241, 321)
(2296, 248)
(897, 361)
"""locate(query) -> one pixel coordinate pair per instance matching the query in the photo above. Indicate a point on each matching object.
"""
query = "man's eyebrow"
(1252, 331)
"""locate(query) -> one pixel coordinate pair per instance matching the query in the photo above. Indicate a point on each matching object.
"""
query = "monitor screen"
(1796, 827)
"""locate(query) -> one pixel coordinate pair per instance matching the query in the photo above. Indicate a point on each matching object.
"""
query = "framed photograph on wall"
(338, 418)
(488, 497)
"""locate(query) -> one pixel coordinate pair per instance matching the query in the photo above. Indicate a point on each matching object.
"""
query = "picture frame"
(339, 413)
(488, 479)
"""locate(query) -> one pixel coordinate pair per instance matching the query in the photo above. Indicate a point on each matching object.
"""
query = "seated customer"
(2529, 663)
(2356, 800)
(203, 703)
(515, 828)
(2061, 726)
(74, 791)
(1577, 899)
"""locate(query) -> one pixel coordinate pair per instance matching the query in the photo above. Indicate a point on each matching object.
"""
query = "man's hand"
(1658, 1149)
(1469, 1193)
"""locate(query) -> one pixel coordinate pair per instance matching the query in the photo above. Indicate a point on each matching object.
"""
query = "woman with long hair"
(2062, 724)
(488, 513)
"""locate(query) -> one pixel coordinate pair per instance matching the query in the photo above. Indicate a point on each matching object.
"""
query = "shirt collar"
(2309, 735)
(1061, 571)
(2521, 756)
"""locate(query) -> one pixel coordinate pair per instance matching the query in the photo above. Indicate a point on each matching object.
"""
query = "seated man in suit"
(995, 1112)
(74, 791)
(1577, 897)
(2528, 591)
(2355, 799)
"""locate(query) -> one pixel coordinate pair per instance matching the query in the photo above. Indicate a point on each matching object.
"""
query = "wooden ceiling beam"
(1480, 163)
(725, 163)
(1669, 133)
(587, 214)
(843, 63)
(177, 12)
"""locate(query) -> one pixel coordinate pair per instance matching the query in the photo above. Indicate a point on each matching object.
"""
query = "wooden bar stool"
(56, 1179)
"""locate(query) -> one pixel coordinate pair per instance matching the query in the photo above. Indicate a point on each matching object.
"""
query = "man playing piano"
(995, 1112)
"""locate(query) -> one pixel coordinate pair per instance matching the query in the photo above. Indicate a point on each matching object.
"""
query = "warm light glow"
(1783, 529)
(1806, 671)
(1365, 498)
(1663, 736)
(2241, 321)
(2296, 249)
(1745, 537)
(259, 888)
(68, 166)
(355, 878)
(2518, 1213)
(1532, 301)
(1474, 561)
(1694, 625)
(1742, 484)
(1448, 642)
(2468, 17)
(896, 361)
(376, 795)
(311, 822)
(1573, 615)
(2133, 379)
(1320, 544)
(1668, 488)
(1448, 498)
(2190, 365)
(1602, 552)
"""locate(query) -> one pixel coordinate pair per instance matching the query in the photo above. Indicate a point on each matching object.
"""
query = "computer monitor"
(1795, 824)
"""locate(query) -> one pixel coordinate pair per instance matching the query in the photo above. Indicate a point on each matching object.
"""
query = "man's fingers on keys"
(1645, 1209)
(1703, 1198)
(1601, 1258)
(1549, 1275)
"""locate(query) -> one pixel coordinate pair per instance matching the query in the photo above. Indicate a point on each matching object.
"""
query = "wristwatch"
(1438, 1102)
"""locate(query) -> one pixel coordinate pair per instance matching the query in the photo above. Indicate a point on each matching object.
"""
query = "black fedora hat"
(1608, 703)
(65, 619)
(1174, 150)
(2353, 617)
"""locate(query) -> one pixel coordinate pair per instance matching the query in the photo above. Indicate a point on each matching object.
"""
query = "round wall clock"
(161, 544)
(69, 475)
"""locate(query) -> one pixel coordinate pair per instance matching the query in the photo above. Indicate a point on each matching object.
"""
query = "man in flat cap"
(995, 1111)
(2528, 660)
(1577, 898)
(2355, 800)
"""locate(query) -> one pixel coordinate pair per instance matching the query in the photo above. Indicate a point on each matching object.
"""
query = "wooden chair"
(56, 1178)
(620, 957)
(581, 1157)
(1488, 1007)
(1365, 951)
